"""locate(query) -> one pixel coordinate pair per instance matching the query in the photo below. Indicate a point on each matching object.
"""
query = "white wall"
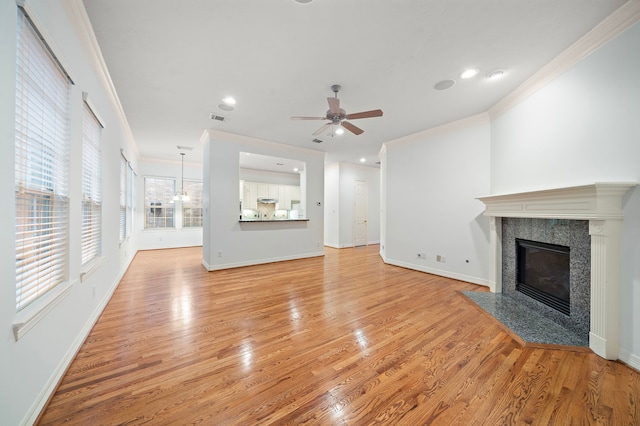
(339, 202)
(583, 127)
(228, 243)
(332, 205)
(264, 176)
(432, 179)
(31, 366)
(149, 239)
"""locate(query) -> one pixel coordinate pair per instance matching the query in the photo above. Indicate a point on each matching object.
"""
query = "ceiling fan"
(338, 117)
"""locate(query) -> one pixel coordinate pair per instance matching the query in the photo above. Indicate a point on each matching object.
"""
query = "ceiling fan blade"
(308, 118)
(322, 129)
(334, 105)
(365, 114)
(353, 129)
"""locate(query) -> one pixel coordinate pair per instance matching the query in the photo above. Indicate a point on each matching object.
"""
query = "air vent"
(217, 117)
(316, 140)
(185, 148)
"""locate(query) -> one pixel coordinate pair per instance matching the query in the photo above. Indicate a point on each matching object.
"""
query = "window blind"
(123, 198)
(192, 209)
(91, 242)
(42, 146)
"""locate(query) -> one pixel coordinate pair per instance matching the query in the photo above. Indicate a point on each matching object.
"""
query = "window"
(192, 209)
(130, 196)
(158, 209)
(91, 187)
(123, 198)
(42, 147)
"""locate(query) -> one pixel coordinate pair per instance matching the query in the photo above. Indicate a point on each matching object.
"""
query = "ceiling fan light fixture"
(339, 131)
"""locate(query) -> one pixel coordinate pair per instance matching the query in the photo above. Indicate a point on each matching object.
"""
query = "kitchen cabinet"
(250, 196)
(251, 191)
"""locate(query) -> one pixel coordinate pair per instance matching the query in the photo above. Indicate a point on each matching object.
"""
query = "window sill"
(27, 318)
(90, 268)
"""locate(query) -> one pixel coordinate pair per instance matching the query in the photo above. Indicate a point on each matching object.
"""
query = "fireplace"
(599, 205)
(542, 273)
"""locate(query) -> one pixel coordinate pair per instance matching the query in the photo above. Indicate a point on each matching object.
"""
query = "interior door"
(360, 213)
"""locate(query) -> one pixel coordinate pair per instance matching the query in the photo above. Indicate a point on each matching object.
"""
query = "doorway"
(359, 213)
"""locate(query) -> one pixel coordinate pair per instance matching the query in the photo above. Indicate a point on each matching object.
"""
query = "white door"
(360, 213)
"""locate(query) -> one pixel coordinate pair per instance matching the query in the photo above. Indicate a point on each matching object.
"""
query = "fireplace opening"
(542, 273)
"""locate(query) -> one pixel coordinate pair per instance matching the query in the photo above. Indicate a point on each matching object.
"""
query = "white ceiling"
(172, 62)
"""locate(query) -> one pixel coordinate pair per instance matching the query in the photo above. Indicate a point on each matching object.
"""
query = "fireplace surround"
(600, 204)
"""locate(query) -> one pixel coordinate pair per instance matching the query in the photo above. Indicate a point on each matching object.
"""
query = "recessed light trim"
(496, 75)
(303, 1)
(225, 107)
(444, 84)
(469, 73)
(229, 100)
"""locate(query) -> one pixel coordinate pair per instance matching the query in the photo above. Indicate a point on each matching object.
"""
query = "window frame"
(42, 154)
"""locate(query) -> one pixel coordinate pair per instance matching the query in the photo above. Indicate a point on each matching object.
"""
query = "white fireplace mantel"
(601, 205)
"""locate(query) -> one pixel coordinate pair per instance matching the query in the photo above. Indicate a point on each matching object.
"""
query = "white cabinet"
(250, 196)
(251, 191)
(263, 190)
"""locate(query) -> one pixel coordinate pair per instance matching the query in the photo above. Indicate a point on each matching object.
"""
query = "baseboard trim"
(259, 261)
(629, 359)
(439, 272)
(47, 392)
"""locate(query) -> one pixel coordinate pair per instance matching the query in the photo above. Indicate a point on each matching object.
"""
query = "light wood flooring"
(343, 339)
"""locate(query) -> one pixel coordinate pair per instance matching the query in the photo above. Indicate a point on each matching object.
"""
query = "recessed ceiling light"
(225, 107)
(471, 72)
(362, 160)
(303, 1)
(496, 75)
(444, 84)
(229, 100)
(339, 131)
(295, 169)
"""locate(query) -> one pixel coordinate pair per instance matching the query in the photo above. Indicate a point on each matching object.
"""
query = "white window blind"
(192, 209)
(159, 211)
(130, 193)
(123, 198)
(91, 187)
(42, 146)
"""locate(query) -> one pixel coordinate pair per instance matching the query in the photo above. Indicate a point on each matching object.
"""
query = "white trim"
(624, 17)
(629, 359)
(439, 272)
(34, 411)
(78, 15)
(88, 269)
(32, 314)
(259, 261)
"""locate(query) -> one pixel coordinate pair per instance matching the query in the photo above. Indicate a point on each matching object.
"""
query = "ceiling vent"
(316, 140)
(217, 117)
(185, 148)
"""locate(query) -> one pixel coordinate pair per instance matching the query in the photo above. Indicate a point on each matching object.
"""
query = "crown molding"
(616, 23)
(78, 16)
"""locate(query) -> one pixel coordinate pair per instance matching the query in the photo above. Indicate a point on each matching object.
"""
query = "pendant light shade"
(182, 194)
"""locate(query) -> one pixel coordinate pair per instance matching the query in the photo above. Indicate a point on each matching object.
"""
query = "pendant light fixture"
(182, 194)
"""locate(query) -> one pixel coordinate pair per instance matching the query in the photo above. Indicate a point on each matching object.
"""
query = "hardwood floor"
(343, 339)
